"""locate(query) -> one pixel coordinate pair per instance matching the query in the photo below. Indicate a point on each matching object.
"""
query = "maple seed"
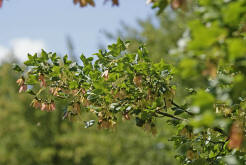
(137, 80)
(115, 2)
(48, 107)
(105, 74)
(36, 104)
(127, 116)
(20, 81)
(43, 107)
(83, 91)
(1, 3)
(76, 1)
(23, 88)
(84, 3)
(91, 2)
(53, 106)
(54, 91)
(41, 78)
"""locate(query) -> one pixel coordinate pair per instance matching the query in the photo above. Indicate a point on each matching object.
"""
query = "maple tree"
(32, 136)
(210, 120)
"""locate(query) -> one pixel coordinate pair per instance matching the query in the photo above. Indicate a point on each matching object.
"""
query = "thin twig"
(169, 115)
(217, 129)
(78, 92)
(176, 105)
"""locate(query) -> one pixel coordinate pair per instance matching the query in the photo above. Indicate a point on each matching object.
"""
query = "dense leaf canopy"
(210, 119)
(32, 137)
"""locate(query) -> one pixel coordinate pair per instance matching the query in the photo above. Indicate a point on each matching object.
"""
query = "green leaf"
(178, 111)
(31, 60)
(17, 68)
(32, 79)
(73, 85)
(66, 61)
(83, 59)
(44, 56)
(73, 67)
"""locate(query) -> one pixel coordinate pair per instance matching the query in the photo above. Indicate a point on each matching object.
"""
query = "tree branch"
(176, 105)
(169, 115)
(217, 129)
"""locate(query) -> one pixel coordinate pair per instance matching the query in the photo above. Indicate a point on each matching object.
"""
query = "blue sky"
(47, 23)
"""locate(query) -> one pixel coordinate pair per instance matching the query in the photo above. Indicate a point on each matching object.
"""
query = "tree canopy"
(210, 118)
